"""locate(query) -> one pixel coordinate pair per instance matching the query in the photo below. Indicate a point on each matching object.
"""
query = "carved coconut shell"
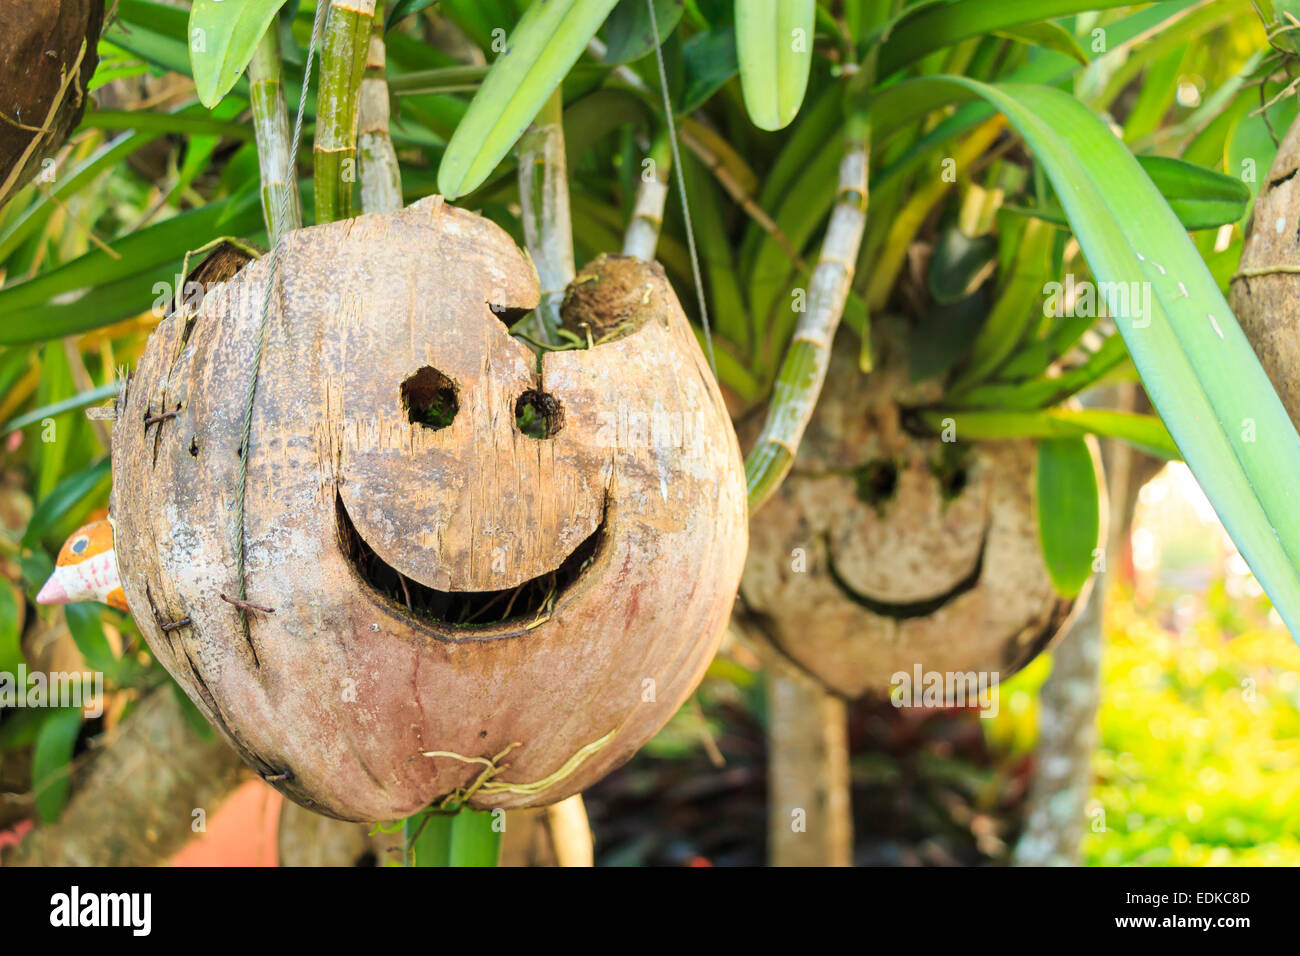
(883, 551)
(1268, 305)
(47, 57)
(386, 540)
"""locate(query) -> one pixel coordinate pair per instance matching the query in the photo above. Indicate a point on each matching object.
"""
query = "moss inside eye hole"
(429, 398)
(439, 413)
(538, 415)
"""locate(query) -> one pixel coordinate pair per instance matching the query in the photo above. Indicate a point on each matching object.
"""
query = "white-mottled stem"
(544, 201)
(651, 196)
(381, 177)
(647, 219)
(281, 205)
(799, 383)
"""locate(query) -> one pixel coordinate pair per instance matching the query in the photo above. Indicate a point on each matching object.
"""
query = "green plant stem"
(544, 199)
(651, 195)
(342, 69)
(462, 838)
(799, 382)
(281, 206)
(381, 177)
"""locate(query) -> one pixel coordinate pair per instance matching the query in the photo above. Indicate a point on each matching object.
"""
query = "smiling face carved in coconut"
(883, 552)
(465, 555)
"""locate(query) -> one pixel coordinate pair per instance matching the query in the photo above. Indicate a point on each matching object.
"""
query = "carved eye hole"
(538, 415)
(430, 399)
(877, 481)
(79, 545)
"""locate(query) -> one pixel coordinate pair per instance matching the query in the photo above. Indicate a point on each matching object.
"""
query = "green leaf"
(1144, 432)
(51, 756)
(926, 27)
(223, 35)
(79, 489)
(944, 335)
(1201, 198)
(88, 634)
(629, 34)
(58, 408)
(97, 289)
(774, 41)
(959, 264)
(1049, 35)
(1068, 514)
(11, 652)
(709, 62)
(547, 42)
(1198, 368)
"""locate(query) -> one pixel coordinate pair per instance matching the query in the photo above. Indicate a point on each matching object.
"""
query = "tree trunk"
(810, 819)
(139, 801)
(1070, 699)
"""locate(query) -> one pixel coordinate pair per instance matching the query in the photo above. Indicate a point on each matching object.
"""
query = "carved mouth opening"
(530, 602)
(903, 610)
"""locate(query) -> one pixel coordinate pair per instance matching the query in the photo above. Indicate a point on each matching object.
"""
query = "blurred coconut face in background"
(884, 552)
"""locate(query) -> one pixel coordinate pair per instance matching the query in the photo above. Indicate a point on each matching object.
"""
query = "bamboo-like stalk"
(651, 196)
(281, 205)
(810, 816)
(381, 177)
(544, 200)
(804, 370)
(570, 832)
(342, 69)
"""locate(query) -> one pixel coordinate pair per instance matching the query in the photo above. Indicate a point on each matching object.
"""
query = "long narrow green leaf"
(1197, 366)
(88, 634)
(774, 45)
(74, 495)
(11, 652)
(51, 756)
(56, 302)
(38, 213)
(58, 408)
(196, 124)
(547, 42)
(1145, 432)
(925, 28)
(1201, 198)
(1068, 511)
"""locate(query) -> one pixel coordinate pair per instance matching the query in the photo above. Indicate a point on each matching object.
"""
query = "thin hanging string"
(681, 189)
(272, 273)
